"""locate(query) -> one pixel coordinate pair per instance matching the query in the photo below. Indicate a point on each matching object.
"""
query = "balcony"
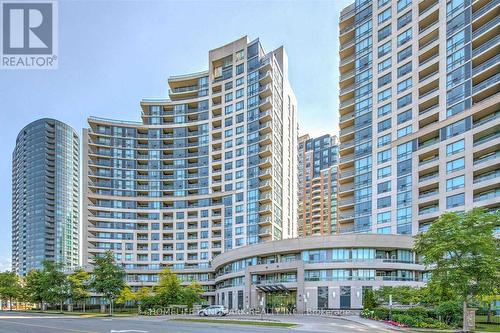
(488, 63)
(486, 46)
(481, 30)
(495, 79)
(487, 195)
(487, 176)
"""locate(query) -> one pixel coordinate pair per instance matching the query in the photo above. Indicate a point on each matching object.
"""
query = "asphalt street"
(12, 322)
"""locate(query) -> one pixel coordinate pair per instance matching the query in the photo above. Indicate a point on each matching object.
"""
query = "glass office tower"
(419, 112)
(45, 196)
(211, 169)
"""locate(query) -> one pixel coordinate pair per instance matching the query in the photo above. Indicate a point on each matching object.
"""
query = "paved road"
(40, 323)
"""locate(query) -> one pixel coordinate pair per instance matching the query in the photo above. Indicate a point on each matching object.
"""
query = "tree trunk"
(84, 301)
(110, 307)
(488, 320)
(464, 317)
(10, 303)
(61, 306)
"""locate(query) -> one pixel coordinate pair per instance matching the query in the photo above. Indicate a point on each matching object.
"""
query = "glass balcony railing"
(486, 83)
(486, 46)
(486, 27)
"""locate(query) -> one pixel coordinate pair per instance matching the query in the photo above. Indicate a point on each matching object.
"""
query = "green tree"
(400, 294)
(142, 293)
(107, 278)
(463, 253)
(127, 295)
(169, 289)
(10, 287)
(35, 287)
(56, 287)
(191, 294)
(369, 301)
(78, 285)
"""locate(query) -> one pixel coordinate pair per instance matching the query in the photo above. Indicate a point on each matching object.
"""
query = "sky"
(114, 53)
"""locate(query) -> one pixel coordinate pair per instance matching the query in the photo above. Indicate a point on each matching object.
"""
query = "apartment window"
(455, 165)
(384, 32)
(404, 116)
(384, 156)
(404, 150)
(383, 202)
(384, 109)
(402, 55)
(455, 147)
(384, 172)
(402, 4)
(384, 230)
(384, 16)
(455, 59)
(363, 61)
(384, 187)
(383, 80)
(382, 3)
(228, 97)
(404, 131)
(384, 125)
(239, 93)
(405, 69)
(363, 29)
(404, 19)
(455, 182)
(239, 69)
(363, 45)
(404, 101)
(404, 37)
(384, 95)
(384, 49)
(455, 200)
(403, 85)
(382, 66)
(384, 140)
(456, 128)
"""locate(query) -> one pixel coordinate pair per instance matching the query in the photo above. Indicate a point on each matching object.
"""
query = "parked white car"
(214, 310)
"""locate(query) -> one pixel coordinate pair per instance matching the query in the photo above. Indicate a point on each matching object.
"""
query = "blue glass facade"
(45, 196)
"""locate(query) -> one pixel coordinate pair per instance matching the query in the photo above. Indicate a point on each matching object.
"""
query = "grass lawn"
(487, 327)
(237, 322)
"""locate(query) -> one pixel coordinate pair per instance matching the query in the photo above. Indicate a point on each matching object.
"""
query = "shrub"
(449, 312)
(366, 313)
(418, 312)
(381, 313)
(369, 301)
(406, 319)
(433, 323)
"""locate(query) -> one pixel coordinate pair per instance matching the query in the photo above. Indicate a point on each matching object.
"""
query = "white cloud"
(5, 265)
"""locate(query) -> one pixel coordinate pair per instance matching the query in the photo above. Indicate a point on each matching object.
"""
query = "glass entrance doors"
(281, 302)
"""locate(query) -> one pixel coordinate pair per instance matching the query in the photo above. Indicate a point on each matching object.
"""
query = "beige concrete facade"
(419, 103)
(342, 265)
(317, 188)
(209, 169)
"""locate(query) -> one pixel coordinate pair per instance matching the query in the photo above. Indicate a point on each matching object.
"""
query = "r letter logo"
(29, 35)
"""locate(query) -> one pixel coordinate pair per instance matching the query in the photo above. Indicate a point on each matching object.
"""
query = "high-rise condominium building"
(419, 112)
(45, 196)
(211, 169)
(317, 165)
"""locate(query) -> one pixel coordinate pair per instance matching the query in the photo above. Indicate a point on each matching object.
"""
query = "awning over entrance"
(269, 288)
